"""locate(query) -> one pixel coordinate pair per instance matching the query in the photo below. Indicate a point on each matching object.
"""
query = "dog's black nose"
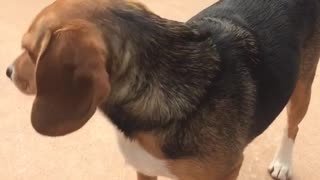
(9, 72)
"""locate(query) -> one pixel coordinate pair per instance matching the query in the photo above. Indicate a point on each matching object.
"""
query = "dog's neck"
(159, 69)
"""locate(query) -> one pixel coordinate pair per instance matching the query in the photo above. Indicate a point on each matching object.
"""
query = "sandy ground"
(92, 153)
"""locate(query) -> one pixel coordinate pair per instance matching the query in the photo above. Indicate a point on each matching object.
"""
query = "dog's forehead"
(39, 26)
(50, 18)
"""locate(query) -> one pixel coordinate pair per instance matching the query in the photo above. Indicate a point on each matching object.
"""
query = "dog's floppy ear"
(71, 79)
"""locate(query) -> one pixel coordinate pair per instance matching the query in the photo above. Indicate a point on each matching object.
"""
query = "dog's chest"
(141, 160)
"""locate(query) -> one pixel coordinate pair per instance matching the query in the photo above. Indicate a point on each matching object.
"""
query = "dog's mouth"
(24, 86)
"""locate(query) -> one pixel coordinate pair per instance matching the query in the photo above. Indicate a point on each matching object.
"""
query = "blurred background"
(92, 153)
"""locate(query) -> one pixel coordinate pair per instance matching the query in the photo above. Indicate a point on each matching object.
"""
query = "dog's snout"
(9, 72)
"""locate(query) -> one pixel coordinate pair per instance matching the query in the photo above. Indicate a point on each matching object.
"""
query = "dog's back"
(282, 30)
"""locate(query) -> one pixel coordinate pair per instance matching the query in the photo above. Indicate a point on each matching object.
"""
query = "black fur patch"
(208, 86)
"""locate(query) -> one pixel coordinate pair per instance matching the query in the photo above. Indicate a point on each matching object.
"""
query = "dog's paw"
(280, 170)
(281, 166)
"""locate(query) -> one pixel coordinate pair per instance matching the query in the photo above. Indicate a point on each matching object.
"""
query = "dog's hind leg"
(281, 167)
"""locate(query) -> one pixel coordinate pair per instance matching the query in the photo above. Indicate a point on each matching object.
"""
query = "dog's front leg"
(144, 177)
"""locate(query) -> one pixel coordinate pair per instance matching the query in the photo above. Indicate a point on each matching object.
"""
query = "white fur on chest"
(141, 160)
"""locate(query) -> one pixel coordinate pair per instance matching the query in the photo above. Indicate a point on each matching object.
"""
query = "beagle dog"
(186, 97)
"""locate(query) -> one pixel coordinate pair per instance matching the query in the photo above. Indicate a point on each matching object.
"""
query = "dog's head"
(64, 66)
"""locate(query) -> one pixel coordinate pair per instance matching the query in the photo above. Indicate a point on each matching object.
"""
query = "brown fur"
(300, 99)
(24, 78)
(143, 177)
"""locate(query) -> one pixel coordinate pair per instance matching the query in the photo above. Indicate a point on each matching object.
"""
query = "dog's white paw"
(281, 166)
(280, 170)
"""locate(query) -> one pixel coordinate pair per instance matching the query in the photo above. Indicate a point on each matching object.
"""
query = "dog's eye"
(31, 56)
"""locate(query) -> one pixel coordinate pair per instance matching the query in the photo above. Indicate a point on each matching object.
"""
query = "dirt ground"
(92, 153)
